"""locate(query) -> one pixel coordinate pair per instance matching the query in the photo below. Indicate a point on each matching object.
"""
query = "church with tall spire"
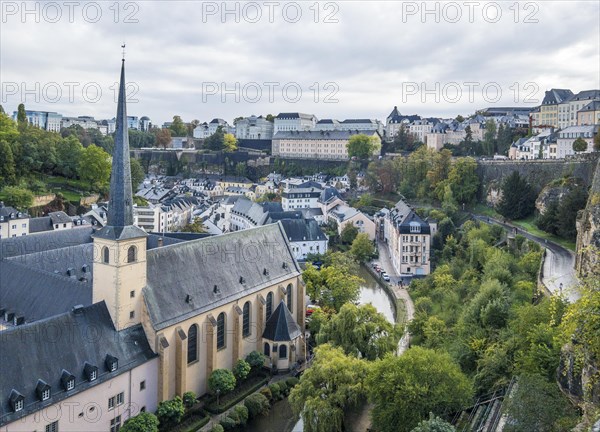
(148, 317)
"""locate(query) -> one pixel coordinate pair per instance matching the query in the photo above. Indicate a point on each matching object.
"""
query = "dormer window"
(90, 372)
(112, 363)
(67, 380)
(17, 400)
(43, 390)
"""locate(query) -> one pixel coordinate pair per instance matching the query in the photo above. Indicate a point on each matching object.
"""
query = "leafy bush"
(257, 404)
(292, 382)
(266, 392)
(217, 428)
(189, 399)
(143, 422)
(241, 369)
(275, 391)
(221, 381)
(228, 423)
(170, 411)
(255, 359)
(242, 412)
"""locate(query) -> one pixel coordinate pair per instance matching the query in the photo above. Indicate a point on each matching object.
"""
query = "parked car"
(385, 277)
(310, 309)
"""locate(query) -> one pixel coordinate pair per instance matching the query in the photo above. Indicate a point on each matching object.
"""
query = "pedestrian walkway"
(400, 293)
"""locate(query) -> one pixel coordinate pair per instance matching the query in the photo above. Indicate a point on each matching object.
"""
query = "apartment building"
(13, 223)
(286, 122)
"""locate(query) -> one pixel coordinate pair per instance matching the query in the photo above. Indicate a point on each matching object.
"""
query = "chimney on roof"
(78, 309)
(160, 242)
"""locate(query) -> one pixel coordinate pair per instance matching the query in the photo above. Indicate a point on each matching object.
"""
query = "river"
(280, 418)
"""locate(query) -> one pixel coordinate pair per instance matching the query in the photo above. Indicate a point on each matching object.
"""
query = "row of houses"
(551, 144)
(54, 122)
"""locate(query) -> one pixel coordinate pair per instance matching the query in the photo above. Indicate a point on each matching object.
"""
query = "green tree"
(580, 145)
(270, 117)
(504, 139)
(489, 137)
(404, 140)
(216, 141)
(536, 405)
(17, 197)
(518, 197)
(8, 129)
(240, 169)
(163, 137)
(468, 135)
(405, 389)
(332, 286)
(566, 215)
(348, 234)
(241, 369)
(143, 422)
(255, 359)
(68, 153)
(94, 167)
(549, 220)
(7, 165)
(362, 146)
(334, 383)
(137, 174)
(597, 142)
(21, 115)
(434, 424)
(230, 142)
(189, 399)
(362, 248)
(171, 411)
(221, 381)
(257, 404)
(360, 331)
(178, 127)
(463, 180)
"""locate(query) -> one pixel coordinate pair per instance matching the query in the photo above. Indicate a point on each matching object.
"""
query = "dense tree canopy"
(332, 286)
(94, 167)
(361, 331)
(362, 248)
(333, 383)
(405, 389)
(362, 146)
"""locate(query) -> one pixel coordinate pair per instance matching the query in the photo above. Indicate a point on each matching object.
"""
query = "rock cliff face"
(554, 192)
(588, 230)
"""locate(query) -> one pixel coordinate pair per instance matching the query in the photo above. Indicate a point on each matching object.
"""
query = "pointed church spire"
(120, 206)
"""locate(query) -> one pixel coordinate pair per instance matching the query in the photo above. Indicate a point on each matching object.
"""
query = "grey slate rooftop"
(207, 272)
(303, 230)
(281, 326)
(43, 350)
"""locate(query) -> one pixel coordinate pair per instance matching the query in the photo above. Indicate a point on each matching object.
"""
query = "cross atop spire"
(123, 46)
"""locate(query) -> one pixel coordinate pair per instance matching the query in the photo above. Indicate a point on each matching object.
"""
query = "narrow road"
(400, 292)
(559, 265)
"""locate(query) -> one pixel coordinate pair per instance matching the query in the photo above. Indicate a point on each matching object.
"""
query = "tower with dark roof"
(120, 247)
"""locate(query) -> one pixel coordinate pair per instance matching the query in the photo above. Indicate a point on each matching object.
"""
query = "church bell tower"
(119, 273)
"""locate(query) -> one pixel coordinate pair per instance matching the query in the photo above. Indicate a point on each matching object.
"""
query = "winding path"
(558, 273)
(399, 292)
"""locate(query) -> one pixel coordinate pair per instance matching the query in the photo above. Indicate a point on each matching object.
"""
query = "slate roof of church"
(281, 326)
(190, 278)
(42, 350)
(35, 294)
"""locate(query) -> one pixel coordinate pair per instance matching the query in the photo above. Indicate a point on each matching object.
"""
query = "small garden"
(255, 405)
(234, 391)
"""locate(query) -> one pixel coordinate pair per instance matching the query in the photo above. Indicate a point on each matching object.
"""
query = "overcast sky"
(365, 57)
